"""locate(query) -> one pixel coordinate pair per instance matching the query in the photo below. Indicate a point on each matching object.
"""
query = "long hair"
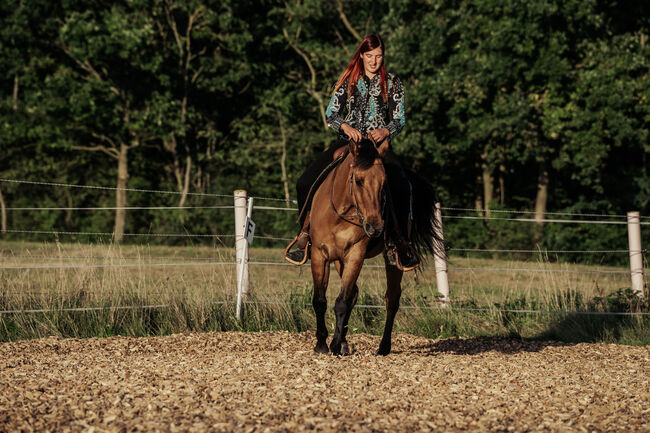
(355, 68)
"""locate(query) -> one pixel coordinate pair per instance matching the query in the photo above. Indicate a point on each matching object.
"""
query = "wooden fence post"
(636, 253)
(241, 250)
(440, 261)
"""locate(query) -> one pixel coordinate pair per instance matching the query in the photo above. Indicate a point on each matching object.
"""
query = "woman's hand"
(351, 132)
(379, 135)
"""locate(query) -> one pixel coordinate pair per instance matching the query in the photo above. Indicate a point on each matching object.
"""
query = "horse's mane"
(367, 155)
(425, 237)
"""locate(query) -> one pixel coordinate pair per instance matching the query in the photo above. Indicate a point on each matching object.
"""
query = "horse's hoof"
(345, 349)
(335, 348)
(383, 351)
(321, 348)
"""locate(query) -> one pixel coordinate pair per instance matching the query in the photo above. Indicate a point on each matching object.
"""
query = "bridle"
(359, 215)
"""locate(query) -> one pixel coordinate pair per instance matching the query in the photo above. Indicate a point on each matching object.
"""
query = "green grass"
(201, 297)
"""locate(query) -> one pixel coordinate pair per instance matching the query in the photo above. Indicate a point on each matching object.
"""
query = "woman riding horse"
(367, 102)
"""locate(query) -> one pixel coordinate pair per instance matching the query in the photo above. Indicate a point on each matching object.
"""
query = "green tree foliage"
(510, 104)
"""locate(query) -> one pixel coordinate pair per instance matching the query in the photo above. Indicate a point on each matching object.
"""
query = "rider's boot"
(301, 254)
(399, 251)
(406, 258)
(297, 256)
(402, 255)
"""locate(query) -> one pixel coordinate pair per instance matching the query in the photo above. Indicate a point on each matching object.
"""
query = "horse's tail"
(426, 231)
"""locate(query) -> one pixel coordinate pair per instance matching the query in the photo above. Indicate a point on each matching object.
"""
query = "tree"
(104, 89)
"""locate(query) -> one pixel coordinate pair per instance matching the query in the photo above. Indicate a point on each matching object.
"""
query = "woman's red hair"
(355, 67)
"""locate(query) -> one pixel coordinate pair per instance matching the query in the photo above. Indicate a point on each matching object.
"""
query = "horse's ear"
(354, 148)
(382, 149)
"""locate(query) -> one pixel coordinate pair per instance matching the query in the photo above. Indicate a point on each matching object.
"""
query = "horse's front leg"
(345, 302)
(345, 349)
(393, 293)
(320, 271)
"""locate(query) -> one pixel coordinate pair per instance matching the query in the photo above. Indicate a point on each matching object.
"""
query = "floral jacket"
(366, 109)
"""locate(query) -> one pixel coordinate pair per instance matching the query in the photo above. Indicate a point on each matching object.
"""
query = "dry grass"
(190, 288)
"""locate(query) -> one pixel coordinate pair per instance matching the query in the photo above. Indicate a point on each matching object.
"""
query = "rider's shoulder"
(394, 82)
(393, 77)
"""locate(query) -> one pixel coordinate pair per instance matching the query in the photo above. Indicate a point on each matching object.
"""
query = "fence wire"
(187, 235)
(362, 306)
(536, 220)
(294, 201)
(120, 208)
(541, 251)
(530, 212)
(87, 309)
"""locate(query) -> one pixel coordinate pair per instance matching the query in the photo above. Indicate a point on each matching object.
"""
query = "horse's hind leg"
(344, 303)
(393, 293)
(320, 271)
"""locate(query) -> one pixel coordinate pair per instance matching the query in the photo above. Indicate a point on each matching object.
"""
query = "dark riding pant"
(398, 184)
(310, 176)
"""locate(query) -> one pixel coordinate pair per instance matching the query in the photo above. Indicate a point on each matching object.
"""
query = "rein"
(356, 206)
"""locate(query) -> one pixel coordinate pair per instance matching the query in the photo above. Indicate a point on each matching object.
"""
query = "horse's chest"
(339, 244)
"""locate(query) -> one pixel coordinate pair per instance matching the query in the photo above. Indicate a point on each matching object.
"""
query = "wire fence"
(273, 263)
(594, 218)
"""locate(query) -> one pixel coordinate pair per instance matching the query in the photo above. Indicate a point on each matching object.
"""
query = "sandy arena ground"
(258, 382)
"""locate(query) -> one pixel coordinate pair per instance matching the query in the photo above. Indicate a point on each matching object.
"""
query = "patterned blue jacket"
(366, 109)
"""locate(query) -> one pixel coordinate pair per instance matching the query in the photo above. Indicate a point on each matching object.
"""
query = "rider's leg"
(304, 185)
(401, 212)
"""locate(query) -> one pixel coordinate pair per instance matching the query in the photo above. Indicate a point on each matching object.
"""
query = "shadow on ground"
(476, 345)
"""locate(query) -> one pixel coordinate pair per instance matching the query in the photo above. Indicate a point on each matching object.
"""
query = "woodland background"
(532, 106)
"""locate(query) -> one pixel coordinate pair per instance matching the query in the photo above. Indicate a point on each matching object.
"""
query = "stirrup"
(305, 257)
(406, 268)
(392, 256)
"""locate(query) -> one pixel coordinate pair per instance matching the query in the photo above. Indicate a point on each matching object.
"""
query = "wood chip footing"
(273, 382)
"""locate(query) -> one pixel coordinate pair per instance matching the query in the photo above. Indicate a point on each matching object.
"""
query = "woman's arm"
(336, 106)
(396, 107)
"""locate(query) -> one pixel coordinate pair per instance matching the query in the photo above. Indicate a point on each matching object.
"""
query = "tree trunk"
(185, 187)
(488, 189)
(68, 213)
(182, 174)
(541, 199)
(15, 94)
(3, 215)
(478, 203)
(120, 194)
(502, 184)
(283, 159)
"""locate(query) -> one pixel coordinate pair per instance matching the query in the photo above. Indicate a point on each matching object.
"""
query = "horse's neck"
(340, 184)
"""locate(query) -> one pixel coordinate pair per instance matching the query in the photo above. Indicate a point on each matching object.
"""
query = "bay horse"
(347, 224)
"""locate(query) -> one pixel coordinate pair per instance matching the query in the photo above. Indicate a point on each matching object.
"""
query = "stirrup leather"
(305, 257)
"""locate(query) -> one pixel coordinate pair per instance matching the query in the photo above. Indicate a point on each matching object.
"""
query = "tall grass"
(129, 296)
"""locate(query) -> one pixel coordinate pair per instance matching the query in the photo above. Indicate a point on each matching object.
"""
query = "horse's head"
(367, 180)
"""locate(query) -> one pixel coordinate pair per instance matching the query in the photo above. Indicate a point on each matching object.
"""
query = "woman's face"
(372, 61)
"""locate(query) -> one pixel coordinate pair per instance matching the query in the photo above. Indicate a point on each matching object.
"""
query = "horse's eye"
(359, 182)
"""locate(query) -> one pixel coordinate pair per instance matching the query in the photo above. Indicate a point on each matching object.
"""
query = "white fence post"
(242, 291)
(636, 253)
(241, 250)
(440, 261)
